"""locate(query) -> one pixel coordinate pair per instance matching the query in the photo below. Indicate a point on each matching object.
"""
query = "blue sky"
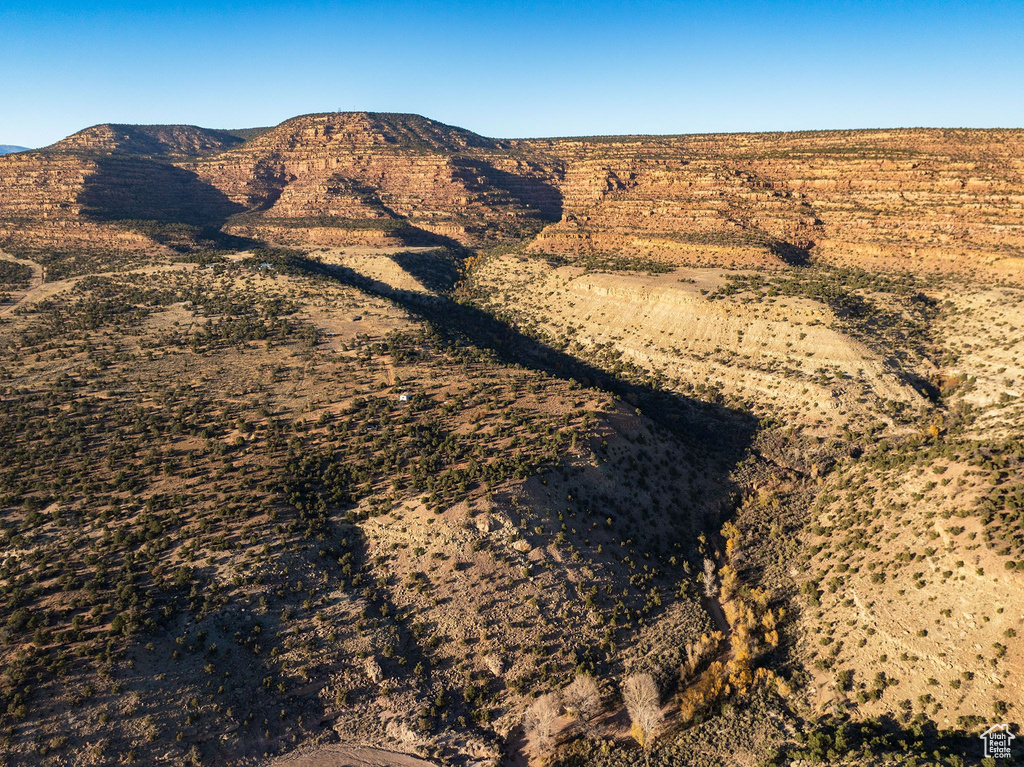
(513, 68)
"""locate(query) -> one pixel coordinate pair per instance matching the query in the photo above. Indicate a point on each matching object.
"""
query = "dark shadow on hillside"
(529, 192)
(790, 254)
(270, 181)
(238, 642)
(922, 386)
(169, 204)
(143, 189)
(722, 433)
(415, 237)
(713, 440)
(436, 270)
(407, 234)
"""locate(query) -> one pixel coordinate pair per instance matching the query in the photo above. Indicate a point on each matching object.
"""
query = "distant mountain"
(149, 140)
(370, 178)
(11, 149)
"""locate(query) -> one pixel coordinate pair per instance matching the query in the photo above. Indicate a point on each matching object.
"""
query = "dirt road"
(350, 756)
(37, 279)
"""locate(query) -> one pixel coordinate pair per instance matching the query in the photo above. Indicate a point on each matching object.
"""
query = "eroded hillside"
(907, 498)
(919, 200)
(362, 437)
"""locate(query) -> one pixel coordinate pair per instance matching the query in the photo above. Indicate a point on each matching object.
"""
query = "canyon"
(935, 200)
(356, 437)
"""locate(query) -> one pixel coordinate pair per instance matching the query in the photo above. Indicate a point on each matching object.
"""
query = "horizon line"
(568, 136)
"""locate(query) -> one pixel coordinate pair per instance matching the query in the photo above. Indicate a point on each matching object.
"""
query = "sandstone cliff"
(907, 199)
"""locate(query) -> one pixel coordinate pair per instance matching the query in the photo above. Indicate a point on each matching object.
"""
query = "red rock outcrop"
(357, 171)
(914, 199)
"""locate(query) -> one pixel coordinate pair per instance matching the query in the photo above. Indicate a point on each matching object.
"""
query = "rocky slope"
(907, 199)
(150, 140)
(106, 191)
(371, 176)
(742, 412)
(903, 565)
(911, 199)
